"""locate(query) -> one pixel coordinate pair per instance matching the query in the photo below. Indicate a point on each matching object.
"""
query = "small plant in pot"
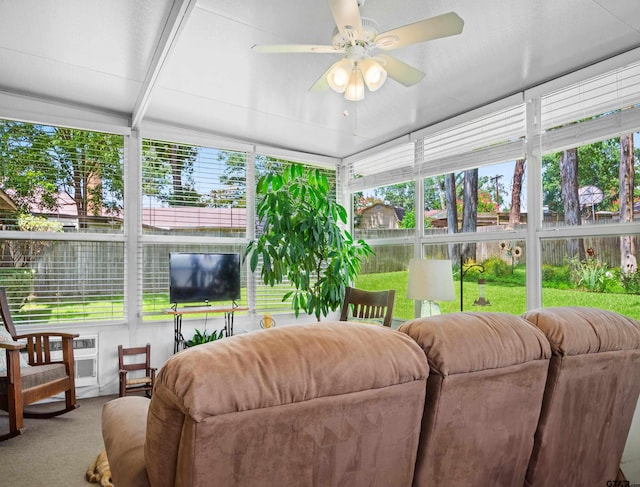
(301, 240)
(202, 337)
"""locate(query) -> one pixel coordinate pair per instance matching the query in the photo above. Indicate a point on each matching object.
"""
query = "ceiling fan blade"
(287, 48)
(400, 71)
(424, 30)
(347, 16)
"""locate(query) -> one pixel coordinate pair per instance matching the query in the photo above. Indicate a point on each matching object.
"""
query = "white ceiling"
(189, 63)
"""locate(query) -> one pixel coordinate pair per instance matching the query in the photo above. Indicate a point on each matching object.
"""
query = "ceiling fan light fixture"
(339, 75)
(374, 74)
(355, 88)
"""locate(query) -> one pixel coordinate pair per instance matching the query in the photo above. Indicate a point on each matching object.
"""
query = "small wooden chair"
(131, 382)
(368, 305)
(43, 378)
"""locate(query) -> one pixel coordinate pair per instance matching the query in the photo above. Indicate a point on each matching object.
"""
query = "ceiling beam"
(178, 16)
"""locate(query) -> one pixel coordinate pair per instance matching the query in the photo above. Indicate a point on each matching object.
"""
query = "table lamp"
(430, 280)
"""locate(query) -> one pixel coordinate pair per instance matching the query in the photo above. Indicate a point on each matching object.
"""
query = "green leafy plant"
(301, 240)
(630, 281)
(202, 337)
(591, 274)
(496, 267)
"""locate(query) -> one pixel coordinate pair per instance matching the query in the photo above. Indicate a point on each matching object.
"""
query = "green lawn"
(504, 297)
(506, 294)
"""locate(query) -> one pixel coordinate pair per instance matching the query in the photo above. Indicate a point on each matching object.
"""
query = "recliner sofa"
(450, 400)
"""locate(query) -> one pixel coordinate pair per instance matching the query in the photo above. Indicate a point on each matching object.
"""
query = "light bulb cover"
(374, 74)
(339, 74)
(355, 87)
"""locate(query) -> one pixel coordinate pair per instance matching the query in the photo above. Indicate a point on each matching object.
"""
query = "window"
(61, 191)
(481, 199)
(597, 276)
(193, 190)
(386, 211)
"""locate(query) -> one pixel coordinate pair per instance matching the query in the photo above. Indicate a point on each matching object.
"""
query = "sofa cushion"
(605, 331)
(484, 394)
(590, 397)
(495, 342)
(326, 404)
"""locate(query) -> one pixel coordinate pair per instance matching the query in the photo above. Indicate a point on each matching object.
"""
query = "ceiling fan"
(358, 39)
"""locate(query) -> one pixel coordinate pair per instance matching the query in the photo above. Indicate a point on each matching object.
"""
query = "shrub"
(630, 282)
(19, 284)
(556, 277)
(495, 266)
(591, 274)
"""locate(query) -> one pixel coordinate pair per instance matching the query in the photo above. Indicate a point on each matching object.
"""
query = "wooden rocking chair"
(43, 377)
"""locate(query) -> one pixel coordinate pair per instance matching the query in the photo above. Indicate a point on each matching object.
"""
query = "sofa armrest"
(124, 428)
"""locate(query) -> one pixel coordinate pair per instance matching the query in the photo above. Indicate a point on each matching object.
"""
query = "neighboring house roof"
(156, 217)
(6, 203)
(66, 206)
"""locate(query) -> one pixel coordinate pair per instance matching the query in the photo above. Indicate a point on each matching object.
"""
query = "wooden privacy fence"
(67, 268)
(393, 258)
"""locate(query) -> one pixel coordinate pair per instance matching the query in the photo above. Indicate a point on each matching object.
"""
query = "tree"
(452, 212)
(434, 193)
(24, 252)
(234, 178)
(598, 166)
(470, 210)
(627, 185)
(516, 192)
(168, 173)
(233, 190)
(302, 241)
(401, 195)
(40, 163)
(571, 202)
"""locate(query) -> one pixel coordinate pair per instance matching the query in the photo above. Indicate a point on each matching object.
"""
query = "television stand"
(178, 339)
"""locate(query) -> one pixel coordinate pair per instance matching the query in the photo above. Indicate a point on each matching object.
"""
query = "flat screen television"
(203, 277)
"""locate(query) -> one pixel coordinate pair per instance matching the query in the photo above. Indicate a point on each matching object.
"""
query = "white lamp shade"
(430, 280)
(374, 74)
(355, 88)
(339, 75)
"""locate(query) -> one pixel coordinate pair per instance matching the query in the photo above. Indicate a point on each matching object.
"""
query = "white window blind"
(490, 139)
(602, 107)
(388, 166)
(68, 281)
(597, 96)
(192, 190)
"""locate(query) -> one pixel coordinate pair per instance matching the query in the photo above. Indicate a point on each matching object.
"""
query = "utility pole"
(495, 180)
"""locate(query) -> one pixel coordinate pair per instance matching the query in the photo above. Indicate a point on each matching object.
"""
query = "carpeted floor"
(53, 452)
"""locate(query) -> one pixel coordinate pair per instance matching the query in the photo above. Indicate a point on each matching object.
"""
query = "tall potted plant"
(300, 239)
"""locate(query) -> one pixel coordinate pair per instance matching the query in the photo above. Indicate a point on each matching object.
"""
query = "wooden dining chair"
(39, 378)
(368, 305)
(129, 365)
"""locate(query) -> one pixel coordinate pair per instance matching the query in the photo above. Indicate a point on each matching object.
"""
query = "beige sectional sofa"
(459, 399)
